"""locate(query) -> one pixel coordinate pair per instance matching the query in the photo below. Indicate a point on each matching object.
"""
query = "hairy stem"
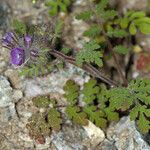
(87, 67)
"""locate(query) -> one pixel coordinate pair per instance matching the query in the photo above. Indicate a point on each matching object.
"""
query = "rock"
(14, 78)
(106, 145)
(54, 82)
(25, 109)
(3, 58)
(5, 92)
(74, 137)
(95, 134)
(70, 138)
(125, 136)
(3, 65)
(5, 11)
(43, 146)
(125, 5)
(74, 29)
(7, 113)
(17, 95)
(143, 41)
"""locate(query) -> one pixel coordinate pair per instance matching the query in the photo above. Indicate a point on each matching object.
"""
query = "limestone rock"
(13, 77)
(95, 134)
(126, 136)
(5, 92)
(17, 95)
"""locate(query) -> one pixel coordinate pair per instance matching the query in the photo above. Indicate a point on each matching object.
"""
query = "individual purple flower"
(28, 41)
(8, 39)
(17, 56)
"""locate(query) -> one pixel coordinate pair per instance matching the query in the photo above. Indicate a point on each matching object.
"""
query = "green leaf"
(142, 20)
(121, 49)
(118, 33)
(71, 92)
(90, 54)
(101, 6)
(120, 98)
(132, 29)
(76, 115)
(95, 116)
(144, 28)
(41, 101)
(109, 14)
(38, 69)
(65, 50)
(143, 124)
(124, 23)
(93, 31)
(38, 126)
(111, 115)
(134, 113)
(138, 14)
(85, 15)
(19, 27)
(54, 119)
(58, 29)
(57, 6)
(89, 91)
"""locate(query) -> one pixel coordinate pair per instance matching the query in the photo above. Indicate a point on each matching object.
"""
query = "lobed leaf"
(89, 54)
(71, 92)
(121, 49)
(89, 91)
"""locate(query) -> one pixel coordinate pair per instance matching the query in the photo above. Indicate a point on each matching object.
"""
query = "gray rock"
(71, 138)
(3, 58)
(95, 134)
(53, 82)
(5, 92)
(125, 5)
(125, 136)
(7, 113)
(78, 138)
(106, 145)
(13, 76)
(5, 12)
(17, 95)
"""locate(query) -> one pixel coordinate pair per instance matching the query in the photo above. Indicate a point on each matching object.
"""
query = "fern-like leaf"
(41, 101)
(93, 31)
(75, 114)
(57, 6)
(85, 15)
(121, 49)
(118, 33)
(96, 116)
(54, 119)
(90, 54)
(71, 92)
(37, 126)
(19, 27)
(90, 91)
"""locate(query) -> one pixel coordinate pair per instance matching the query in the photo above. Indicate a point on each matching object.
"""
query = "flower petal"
(17, 56)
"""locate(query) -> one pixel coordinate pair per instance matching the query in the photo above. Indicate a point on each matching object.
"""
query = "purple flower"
(28, 41)
(8, 39)
(21, 48)
(17, 56)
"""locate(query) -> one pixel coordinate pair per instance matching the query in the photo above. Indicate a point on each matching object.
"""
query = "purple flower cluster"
(21, 48)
